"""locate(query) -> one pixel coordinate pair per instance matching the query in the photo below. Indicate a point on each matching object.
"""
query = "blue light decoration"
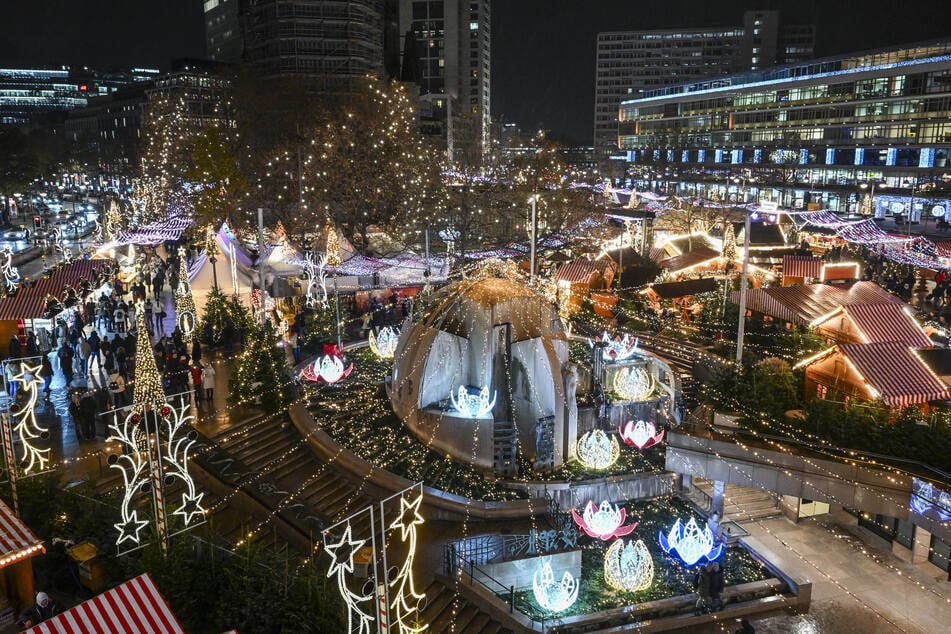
(472, 404)
(690, 544)
(554, 596)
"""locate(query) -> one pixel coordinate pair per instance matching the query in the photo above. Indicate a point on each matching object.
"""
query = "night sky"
(543, 51)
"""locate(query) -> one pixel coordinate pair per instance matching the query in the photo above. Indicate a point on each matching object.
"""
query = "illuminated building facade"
(814, 132)
(630, 62)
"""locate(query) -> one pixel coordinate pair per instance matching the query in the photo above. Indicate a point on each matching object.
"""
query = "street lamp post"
(534, 230)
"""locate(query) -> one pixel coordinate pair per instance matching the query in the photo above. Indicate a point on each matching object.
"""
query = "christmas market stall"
(17, 545)
(133, 607)
(803, 305)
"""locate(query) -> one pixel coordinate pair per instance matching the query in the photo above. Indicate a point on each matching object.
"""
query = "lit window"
(473, 26)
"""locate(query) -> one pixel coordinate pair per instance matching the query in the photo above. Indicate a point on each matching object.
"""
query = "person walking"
(196, 350)
(702, 582)
(46, 373)
(197, 386)
(716, 587)
(208, 382)
(14, 349)
(117, 389)
(93, 340)
(44, 608)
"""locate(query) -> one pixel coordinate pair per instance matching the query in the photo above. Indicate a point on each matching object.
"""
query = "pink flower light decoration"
(642, 435)
(603, 522)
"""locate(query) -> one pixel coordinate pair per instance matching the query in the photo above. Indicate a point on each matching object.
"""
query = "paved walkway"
(858, 586)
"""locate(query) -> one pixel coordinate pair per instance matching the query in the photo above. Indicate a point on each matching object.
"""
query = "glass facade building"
(830, 124)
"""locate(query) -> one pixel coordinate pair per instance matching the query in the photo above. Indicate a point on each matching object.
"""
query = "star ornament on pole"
(405, 600)
(25, 424)
(341, 555)
(129, 528)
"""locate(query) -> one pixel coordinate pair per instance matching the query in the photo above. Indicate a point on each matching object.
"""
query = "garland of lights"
(384, 344)
(405, 601)
(642, 434)
(633, 384)
(341, 555)
(554, 596)
(11, 276)
(597, 450)
(603, 522)
(24, 415)
(628, 566)
(689, 543)
(472, 405)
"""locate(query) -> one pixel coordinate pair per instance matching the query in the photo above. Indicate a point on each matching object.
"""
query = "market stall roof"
(672, 290)
(879, 323)
(801, 266)
(689, 259)
(761, 234)
(803, 305)
(581, 270)
(896, 371)
(133, 607)
(30, 302)
(17, 541)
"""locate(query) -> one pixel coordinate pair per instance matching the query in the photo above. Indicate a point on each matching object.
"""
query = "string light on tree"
(185, 312)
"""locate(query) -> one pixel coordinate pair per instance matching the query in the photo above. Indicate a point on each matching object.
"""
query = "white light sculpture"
(24, 419)
(552, 595)
(598, 450)
(315, 279)
(689, 543)
(642, 434)
(473, 405)
(341, 554)
(633, 384)
(134, 466)
(628, 566)
(11, 276)
(603, 522)
(176, 442)
(327, 369)
(618, 350)
(405, 601)
(384, 344)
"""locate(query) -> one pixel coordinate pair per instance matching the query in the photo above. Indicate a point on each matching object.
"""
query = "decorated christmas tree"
(260, 375)
(147, 389)
(729, 243)
(220, 310)
(184, 304)
(333, 246)
(112, 222)
(320, 327)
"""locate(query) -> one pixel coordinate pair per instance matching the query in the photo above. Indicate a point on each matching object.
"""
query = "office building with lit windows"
(453, 51)
(823, 128)
(631, 62)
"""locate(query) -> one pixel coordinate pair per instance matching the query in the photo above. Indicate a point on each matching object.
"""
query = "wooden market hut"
(582, 279)
(872, 323)
(18, 544)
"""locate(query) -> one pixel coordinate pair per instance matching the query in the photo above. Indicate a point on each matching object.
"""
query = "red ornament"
(165, 411)
(136, 418)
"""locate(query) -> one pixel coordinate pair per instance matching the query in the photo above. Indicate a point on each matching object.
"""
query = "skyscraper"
(629, 62)
(453, 53)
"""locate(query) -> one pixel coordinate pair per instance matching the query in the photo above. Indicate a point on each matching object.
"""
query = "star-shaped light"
(130, 528)
(343, 551)
(191, 506)
(32, 370)
(409, 516)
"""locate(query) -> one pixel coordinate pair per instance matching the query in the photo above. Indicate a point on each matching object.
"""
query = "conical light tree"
(147, 389)
(185, 310)
(334, 257)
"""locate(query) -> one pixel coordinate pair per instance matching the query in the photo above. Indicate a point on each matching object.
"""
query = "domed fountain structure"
(480, 374)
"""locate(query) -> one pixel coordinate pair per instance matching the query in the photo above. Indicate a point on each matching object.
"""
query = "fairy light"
(405, 601)
(628, 566)
(11, 276)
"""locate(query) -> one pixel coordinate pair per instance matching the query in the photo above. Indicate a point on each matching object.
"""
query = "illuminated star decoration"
(472, 405)
(689, 543)
(603, 522)
(552, 595)
(24, 419)
(405, 601)
(11, 276)
(341, 554)
(177, 440)
(384, 344)
(598, 450)
(327, 369)
(633, 384)
(618, 350)
(134, 468)
(628, 566)
(642, 434)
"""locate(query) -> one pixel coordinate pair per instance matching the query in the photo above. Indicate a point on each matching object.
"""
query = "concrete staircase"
(446, 611)
(743, 504)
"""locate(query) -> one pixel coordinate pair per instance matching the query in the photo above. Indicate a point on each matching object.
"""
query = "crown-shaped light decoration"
(472, 405)
(603, 522)
(384, 344)
(618, 350)
(689, 543)
(628, 566)
(633, 384)
(598, 450)
(641, 434)
(326, 369)
(552, 595)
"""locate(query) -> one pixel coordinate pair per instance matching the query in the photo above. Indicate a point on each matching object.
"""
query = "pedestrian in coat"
(208, 382)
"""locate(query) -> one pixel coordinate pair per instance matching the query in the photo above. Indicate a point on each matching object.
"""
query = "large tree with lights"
(260, 374)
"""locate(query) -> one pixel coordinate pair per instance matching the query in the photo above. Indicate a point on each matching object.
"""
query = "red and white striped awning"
(30, 302)
(897, 372)
(134, 607)
(887, 322)
(802, 305)
(801, 266)
(581, 270)
(17, 541)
